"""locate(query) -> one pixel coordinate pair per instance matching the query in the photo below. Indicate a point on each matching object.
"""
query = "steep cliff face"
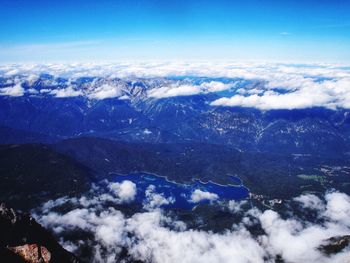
(22, 239)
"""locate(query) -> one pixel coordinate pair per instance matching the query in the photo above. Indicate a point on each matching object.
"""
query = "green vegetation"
(317, 178)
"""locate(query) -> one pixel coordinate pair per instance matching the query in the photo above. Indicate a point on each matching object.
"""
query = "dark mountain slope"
(16, 136)
(32, 173)
(274, 175)
(181, 162)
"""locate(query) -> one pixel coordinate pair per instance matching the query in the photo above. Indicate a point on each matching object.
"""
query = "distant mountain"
(134, 116)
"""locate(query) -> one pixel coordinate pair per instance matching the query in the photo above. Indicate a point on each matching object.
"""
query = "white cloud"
(66, 92)
(269, 101)
(14, 91)
(330, 94)
(310, 201)
(199, 195)
(147, 131)
(288, 238)
(176, 89)
(125, 191)
(173, 91)
(215, 86)
(338, 208)
(154, 236)
(106, 91)
(264, 71)
(154, 242)
(236, 206)
(155, 200)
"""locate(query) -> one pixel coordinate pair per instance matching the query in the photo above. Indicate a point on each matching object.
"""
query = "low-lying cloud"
(155, 200)
(66, 92)
(199, 195)
(106, 91)
(281, 86)
(15, 91)
(124, 191)
(153, 235)
(177, 89)
(330, 94)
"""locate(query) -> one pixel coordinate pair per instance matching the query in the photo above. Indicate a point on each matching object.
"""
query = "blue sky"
(83, 30)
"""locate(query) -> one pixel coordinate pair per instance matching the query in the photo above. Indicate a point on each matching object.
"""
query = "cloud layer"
(153, 235)
(267, 86)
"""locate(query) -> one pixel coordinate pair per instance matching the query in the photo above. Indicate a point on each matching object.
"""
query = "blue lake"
(182, 192)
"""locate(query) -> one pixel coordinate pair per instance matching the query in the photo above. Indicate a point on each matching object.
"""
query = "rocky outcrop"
(335, 245)
(22, 239)
(32, 253)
